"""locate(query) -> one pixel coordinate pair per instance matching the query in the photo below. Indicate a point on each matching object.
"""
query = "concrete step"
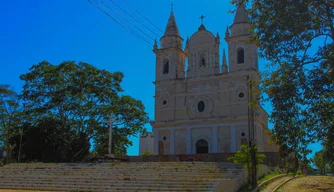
(134, 165)
(84, 181)
(110, 170)
(99, 188)
(147, 176)
(107, 184)
(132, 178)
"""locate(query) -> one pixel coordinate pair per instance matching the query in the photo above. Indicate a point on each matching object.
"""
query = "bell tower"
(243, 55)
(170, 58)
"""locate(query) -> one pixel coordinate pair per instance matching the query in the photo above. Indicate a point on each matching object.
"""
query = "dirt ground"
(271, 186)
(310, 184)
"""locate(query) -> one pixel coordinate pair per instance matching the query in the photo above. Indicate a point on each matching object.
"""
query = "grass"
(266, 177)
(248, 187)
(310, 184)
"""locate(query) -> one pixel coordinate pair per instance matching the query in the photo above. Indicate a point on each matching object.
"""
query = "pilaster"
(233, 140)
(214, 139)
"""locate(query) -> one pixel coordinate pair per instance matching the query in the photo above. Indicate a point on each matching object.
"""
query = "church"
(202, 104)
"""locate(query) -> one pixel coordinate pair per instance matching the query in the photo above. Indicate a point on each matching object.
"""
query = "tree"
(10, 117)
(320, 161)
(50, 141)
(82, 97)
(297, 39)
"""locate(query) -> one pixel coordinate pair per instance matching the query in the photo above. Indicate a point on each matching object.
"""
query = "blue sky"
(36, 30)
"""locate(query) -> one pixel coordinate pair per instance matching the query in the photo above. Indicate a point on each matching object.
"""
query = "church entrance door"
(161, 148)
(202, 146)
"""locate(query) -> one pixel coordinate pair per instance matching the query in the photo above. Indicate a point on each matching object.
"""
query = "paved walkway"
(271, 186)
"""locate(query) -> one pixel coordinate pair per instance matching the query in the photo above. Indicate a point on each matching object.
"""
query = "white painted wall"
(146, 143)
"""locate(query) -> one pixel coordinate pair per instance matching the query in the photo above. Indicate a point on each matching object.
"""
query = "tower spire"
(241, 23)
(241, 16)
(155, 46)
(187, 44)
(171, 28)
(171, 37)
(227, 33)
(225, 68)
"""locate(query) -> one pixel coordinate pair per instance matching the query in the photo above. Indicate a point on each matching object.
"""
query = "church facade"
(202, 104)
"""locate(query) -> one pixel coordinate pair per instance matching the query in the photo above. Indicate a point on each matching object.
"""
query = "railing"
(272, 158)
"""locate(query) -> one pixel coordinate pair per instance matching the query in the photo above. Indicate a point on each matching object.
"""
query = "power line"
(138, 36)
(118, 22)
(142, 15)
(171, 60)
(134, 18)
(126, 20)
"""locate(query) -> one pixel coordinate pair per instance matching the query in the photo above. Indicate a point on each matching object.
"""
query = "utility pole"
(251, 133)
(110, 121)
(253, 144)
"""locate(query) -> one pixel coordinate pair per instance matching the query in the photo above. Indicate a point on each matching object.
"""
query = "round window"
(164, 102)
(164, 138)
(201, 106)
(243, 134)
(241, 95)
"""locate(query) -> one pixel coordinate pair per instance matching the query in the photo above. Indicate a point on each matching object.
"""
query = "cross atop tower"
(202, 18)
(172, 6)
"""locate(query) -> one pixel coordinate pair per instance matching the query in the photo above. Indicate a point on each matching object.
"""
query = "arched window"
(202, 146)
(240, 56)
(166, 68)
(202, 62)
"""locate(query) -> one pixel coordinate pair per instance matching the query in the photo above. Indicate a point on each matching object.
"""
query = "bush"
(243, 156)
(147, 153)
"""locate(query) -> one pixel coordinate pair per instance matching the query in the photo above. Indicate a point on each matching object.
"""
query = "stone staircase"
(119, 176)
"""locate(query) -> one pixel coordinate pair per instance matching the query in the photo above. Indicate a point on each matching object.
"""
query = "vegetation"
(10, 118)
(62, 109)
(297, 39)
(323, 163)
(243, 156)
(146, 153)
(268, 176)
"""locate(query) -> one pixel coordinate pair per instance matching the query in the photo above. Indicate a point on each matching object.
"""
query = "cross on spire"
(202, 18)
(172, 6)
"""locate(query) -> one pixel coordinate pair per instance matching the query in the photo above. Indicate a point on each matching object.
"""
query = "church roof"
(172, 29)
(241, 16)
(201, 28)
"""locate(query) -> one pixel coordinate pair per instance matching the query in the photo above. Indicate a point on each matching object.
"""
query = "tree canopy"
(296, 37)
(10, 117)
(67, 105)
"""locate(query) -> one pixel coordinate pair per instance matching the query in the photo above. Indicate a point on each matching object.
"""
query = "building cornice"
(200, 121)
(202, 78)
(178, 49)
